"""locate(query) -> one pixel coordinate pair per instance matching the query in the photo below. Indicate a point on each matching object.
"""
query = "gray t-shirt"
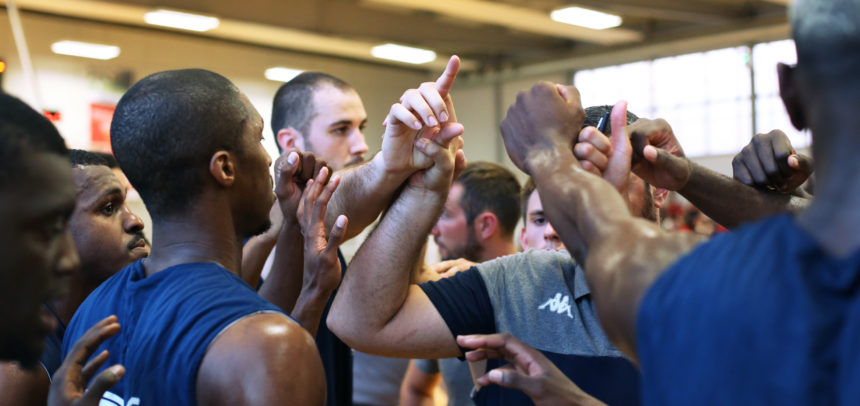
(457, 377)
(542, 298)
(376, 380)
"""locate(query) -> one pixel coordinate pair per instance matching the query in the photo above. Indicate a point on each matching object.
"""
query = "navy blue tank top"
(168, 321)
(762, 315)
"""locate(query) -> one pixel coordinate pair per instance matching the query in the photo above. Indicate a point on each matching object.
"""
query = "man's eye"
(539, 221)
(108, 209)
(54, 227)
(340, 130)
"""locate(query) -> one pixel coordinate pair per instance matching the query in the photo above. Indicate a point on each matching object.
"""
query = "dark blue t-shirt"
(759, 316)
(168, 321)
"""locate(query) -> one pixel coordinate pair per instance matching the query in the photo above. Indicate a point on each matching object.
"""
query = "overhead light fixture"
(584, 17)
(85, 50)
(279, 74)
(181, 20)
(403, 53)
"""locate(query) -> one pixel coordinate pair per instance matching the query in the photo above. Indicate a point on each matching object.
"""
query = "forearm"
(254, 255)
(363, 193)
(284, 283)
(582, 207)
(732, 203)
(376, 286)
(310, 306)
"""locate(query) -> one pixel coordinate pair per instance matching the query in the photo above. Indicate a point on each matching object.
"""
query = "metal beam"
(515, 18)
(229, 29)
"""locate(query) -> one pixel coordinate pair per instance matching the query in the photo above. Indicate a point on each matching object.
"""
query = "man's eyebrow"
(111, 191)
(340, 122)
(533, 212)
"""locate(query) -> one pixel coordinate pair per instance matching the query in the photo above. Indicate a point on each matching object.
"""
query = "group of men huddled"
(603, 306)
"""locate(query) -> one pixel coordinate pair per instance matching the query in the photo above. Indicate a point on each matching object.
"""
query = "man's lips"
(138, 242)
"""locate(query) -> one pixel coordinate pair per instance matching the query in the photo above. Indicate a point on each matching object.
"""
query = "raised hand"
(450, 267)
(292, 172)
(69, 384)
(543, 119)
(770, 162)
(528, 371)
(657, 155)
(322, 266)
(425, 112)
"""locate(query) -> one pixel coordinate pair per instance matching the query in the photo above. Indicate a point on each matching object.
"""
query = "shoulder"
(525, 266)
(271, 356)
(23, 387)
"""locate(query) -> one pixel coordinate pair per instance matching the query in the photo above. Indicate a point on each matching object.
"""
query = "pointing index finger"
(446, 80)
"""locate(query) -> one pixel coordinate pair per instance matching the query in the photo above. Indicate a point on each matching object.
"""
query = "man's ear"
(486, 225)
(790, 94)
(222, 168)
(660, 196)
(523, 243)
(289, 139)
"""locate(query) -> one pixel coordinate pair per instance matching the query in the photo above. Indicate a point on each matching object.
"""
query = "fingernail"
(292, 158)
(495, 375)
(431, 121)
(341, 221)
(444, 117)
(416, 125)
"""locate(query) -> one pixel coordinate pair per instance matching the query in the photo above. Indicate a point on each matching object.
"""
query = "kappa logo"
(110, 399)
(558, 304)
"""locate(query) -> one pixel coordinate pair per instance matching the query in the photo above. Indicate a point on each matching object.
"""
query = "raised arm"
(292, 171)
(322, 271)
(662, 163)
(368, 189)
(264, 359)
(376, 310)
(625, 254)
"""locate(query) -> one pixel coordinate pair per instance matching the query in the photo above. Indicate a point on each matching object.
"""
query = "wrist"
(544, 161)
(685, 181)
(385, 173)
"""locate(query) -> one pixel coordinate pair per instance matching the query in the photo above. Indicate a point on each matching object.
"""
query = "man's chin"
(263, 229)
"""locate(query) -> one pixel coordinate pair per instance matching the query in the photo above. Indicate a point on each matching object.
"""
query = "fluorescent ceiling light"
(183, 21)
(584, 17)
(279, 74)
(85, 50)
(402, 53)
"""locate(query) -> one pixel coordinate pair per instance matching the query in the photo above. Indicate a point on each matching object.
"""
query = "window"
(706, 96)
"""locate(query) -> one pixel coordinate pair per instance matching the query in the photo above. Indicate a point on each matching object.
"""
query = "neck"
(833, 218)
(208, 236)
(65, 307)
(497, 249)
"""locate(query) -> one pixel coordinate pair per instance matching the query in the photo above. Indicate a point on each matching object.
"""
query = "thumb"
(618, 121)
(800, 163)
(338, 233)
(287, 167)
(508, 377)
(103, 381)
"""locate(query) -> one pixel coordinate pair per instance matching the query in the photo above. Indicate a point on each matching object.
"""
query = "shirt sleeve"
(463, 302)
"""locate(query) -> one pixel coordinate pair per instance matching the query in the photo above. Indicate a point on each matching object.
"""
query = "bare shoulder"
(23, 387)
(261, 360)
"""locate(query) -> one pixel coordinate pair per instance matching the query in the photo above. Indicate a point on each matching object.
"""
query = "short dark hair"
(80, 157)
(23, 131)
(593, 115)
(165, 130)
(293, 105)
(110, 159)
(491, 187)
(528, 188)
